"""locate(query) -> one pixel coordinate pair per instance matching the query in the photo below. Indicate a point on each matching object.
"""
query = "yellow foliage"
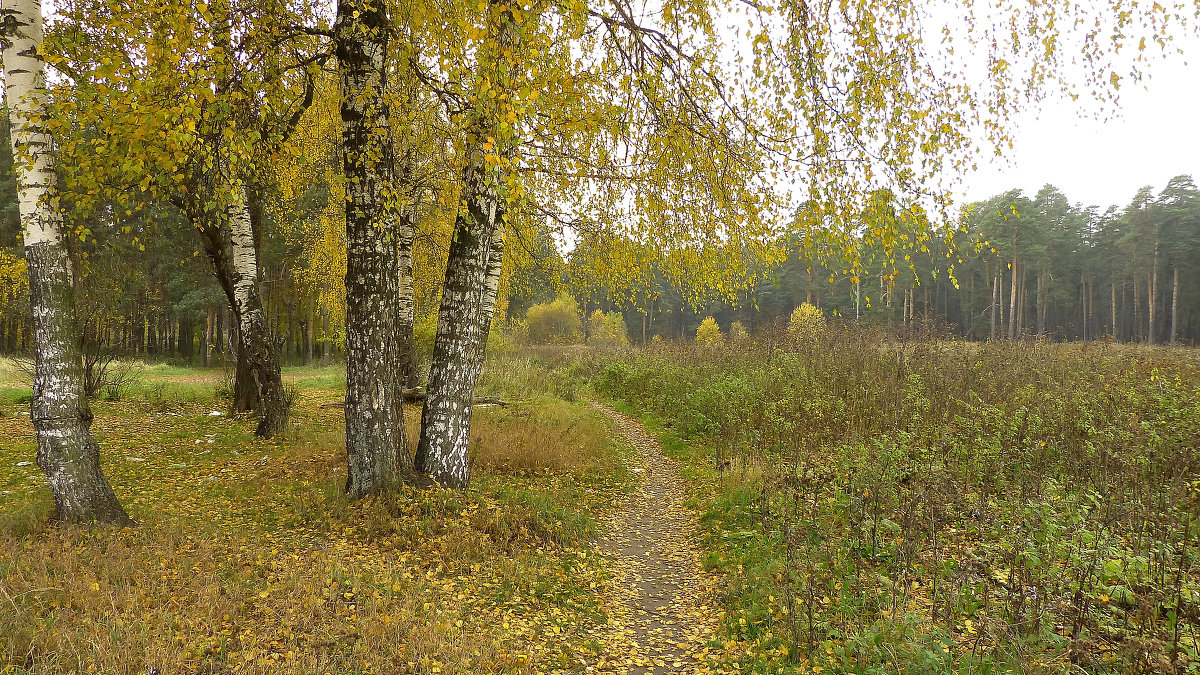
(607, 330)
(555, 322)
(807, 322)
(14, 277)
(708, 333)
(738, 332)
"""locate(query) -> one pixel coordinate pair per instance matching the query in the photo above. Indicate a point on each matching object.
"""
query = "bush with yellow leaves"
(607, 330)
(709, 333)
(738, 332)
(807, 322)
(554, 323)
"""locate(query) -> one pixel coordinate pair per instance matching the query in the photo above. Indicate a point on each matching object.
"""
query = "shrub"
(807, 322)
(709, 333)
(555, 322)
(738, 332)
(607, 330)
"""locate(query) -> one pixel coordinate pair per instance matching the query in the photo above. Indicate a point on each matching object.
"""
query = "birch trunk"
(468, 293)
(245, 397)
(405, 307)
(66, 451)
(376, 455)
(229, 243)
(256, 343)
(468, 299)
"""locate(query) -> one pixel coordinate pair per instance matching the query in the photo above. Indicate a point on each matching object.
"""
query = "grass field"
(881, 506)
(866, 506)
(247, 559)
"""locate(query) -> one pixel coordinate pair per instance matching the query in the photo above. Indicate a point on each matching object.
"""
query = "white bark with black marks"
(256, 343)
(405, 304)
(468, 299)
(376, 456)
(66, 451)
(469, 289)
(228, 238)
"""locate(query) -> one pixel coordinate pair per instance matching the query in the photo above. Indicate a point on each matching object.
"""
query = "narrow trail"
(661, 612)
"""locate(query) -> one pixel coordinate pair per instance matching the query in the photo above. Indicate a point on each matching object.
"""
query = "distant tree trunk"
(222, 339)
(185, 339)
(966, 306)
(206, 336)
(406, 307)
(995, 304)
(1174, 307)
(1012, 295)
(1091, 306)
(376, 454)
(1137, 311)
(1041, 303)
(1023, 300)
(1152, 299)
(310, 321)
(1083, 323)
(1113, 285)
(325, 340)
(66, 451)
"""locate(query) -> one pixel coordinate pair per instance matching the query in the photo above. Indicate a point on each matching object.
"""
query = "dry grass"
(550, 436)
(248, 559)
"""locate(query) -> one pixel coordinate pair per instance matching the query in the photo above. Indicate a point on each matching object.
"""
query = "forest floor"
(248, 559)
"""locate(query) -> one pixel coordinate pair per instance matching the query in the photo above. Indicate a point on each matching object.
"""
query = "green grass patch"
(880, 506)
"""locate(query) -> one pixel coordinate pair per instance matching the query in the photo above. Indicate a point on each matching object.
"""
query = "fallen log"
(416, 396)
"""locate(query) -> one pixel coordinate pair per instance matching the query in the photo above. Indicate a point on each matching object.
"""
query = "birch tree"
(473, 265)
(66, 451)
(189, 104)
(376, 455)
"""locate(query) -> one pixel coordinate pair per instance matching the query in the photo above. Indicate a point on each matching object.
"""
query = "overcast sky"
(1155, 137)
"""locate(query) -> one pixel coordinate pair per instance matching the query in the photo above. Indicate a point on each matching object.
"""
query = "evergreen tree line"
(1026, 266)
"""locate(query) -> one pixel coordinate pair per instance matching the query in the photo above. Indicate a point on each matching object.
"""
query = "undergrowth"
(882, 506)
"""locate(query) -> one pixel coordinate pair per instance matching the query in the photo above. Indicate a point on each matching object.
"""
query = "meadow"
(867, 504)
(877, 504)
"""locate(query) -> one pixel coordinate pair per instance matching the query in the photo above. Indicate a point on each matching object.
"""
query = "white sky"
(1154, 137)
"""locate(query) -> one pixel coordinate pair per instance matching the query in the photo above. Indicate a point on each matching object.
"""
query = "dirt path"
(661, 612)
